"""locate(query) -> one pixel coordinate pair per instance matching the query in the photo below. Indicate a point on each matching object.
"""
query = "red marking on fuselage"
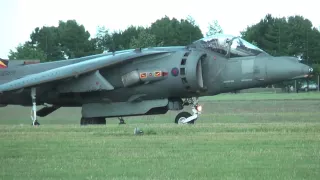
(143, 75)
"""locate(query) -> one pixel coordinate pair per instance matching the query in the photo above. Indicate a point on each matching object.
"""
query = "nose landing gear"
(186, 117)
(34, 108)
(121, 120)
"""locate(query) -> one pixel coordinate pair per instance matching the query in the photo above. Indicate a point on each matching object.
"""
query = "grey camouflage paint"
(106, 85)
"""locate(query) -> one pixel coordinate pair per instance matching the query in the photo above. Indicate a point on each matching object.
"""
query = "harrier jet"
(144, 81)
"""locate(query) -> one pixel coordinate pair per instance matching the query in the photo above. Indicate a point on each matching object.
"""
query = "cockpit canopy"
(228, 45)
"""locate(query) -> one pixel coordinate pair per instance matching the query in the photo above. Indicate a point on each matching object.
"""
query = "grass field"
(239, 136)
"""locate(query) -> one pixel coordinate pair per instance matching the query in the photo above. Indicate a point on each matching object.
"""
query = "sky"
(20, 17)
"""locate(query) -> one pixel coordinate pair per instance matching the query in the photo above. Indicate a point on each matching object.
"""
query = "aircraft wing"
(90, 67)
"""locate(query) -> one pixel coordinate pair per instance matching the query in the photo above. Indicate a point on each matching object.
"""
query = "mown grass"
(263, 96)
(268, 139)
(203, 151)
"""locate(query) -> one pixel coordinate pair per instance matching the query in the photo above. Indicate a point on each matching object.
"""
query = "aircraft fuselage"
(208, 75)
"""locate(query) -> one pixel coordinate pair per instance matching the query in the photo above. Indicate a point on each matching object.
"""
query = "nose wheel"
(181, 117)
(121, 120)
(186, 117)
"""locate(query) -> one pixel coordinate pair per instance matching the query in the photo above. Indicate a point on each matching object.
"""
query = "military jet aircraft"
(144, 81)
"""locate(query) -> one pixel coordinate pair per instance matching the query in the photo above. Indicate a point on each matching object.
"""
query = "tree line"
(286, 36)
(71, 40)
(292, 36)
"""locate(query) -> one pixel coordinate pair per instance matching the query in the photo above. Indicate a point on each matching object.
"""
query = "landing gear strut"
(186, 117)
(121, 120)
(34, 108)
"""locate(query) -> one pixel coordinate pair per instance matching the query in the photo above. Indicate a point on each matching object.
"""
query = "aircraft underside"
(96, 113)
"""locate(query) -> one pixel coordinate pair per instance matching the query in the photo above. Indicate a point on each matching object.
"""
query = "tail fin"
(3, 63)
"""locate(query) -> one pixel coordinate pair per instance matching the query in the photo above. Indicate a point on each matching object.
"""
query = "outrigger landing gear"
(186, 117)
(121, 120)
(34, 108)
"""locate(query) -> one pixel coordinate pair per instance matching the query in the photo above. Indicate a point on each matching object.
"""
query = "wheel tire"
(36, 123)
(182, 115)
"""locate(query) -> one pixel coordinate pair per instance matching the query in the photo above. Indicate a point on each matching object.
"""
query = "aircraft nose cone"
(310, 70)
(307, 70)
(286, 68)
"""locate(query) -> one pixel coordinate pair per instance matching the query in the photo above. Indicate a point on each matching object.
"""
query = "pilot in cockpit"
(229, 45)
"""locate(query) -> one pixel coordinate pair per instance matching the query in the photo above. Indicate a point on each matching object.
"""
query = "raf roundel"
(175, 71)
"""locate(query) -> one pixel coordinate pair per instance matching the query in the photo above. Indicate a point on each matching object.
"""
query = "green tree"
(74, 39)
(172, 32)
(71, 40)
(188, 32)
(299, 35)
(293, 36)
(47, 39)
(68, 40)
(129, 33)
(191, 20)
(117, 40)
(144, 40)
(214, 28)
(103, 39)
(167, 32)
(265, 34)
(27, 52)
(313, 47)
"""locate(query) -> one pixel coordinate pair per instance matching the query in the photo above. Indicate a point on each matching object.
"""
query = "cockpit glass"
(229, 45)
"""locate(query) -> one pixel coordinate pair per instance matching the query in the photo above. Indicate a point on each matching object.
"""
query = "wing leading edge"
(73, 70)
